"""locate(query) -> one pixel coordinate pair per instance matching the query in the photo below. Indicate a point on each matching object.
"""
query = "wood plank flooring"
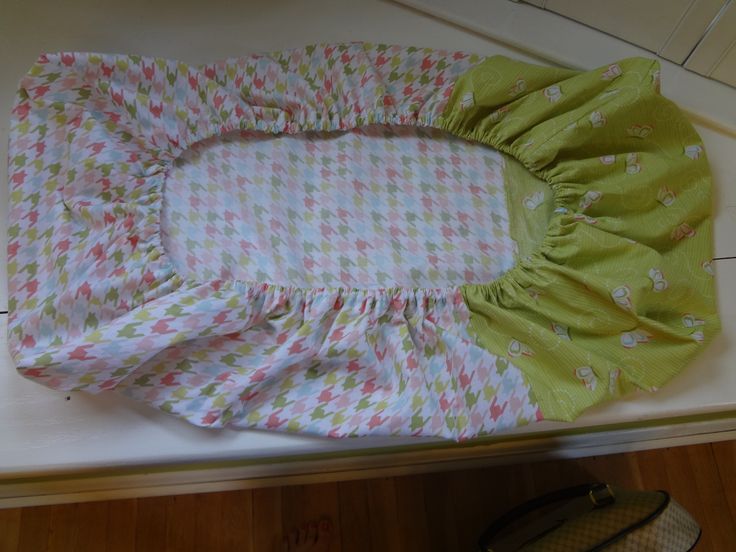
(435, 512)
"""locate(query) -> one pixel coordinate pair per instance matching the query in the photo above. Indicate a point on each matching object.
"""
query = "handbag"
(594, 517)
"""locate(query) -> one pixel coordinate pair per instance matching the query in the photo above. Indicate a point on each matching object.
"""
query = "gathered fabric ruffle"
(619, 295)
(335, 362)
(92, 142)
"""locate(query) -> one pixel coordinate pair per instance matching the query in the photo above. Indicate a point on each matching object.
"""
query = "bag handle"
(598, 494)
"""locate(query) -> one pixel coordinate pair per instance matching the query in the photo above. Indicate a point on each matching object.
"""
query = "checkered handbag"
(594, 517)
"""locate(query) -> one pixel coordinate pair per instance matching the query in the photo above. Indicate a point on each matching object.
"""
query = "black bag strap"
(599, 494)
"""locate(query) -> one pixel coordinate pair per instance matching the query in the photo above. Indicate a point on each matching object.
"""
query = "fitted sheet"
(169, 238)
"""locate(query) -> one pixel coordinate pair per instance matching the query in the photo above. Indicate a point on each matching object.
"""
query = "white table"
(100, 447)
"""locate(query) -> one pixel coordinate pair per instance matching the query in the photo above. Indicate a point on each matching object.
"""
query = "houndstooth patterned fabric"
(373, 207)
(105, 293)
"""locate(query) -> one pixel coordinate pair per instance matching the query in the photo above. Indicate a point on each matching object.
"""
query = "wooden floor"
(443, 511)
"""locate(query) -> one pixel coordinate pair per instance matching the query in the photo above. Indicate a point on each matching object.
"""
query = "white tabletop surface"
(41, 431)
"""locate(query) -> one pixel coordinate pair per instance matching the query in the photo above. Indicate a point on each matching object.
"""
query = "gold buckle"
(601, 495)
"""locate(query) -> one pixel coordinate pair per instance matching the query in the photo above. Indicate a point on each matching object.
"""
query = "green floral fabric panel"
(620, 293)
(530, 206)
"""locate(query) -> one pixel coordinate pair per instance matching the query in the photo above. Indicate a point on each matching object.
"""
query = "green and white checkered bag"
(594, 517)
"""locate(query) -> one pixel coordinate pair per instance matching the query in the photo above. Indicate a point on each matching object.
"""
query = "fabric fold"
(605, 304)
(618, 295)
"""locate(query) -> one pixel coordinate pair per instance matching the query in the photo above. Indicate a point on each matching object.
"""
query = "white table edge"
(21, 490)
